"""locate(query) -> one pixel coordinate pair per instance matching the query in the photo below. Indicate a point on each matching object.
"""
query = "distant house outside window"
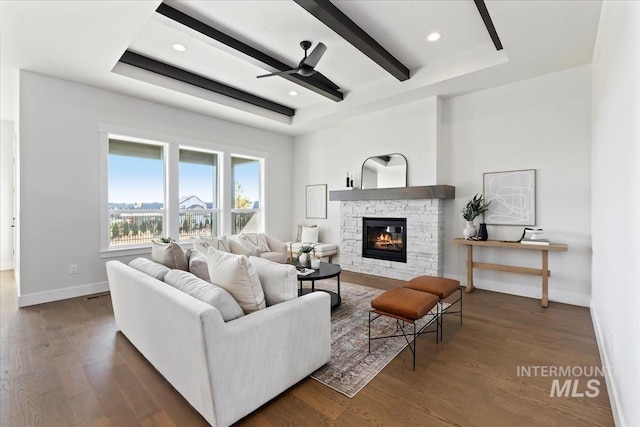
(198, 206)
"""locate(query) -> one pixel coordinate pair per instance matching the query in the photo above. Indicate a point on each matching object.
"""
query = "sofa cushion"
(170, 254)
(309, 235)
(279, 281)
(274, 256)
(152, 268)
(259, 240)
(198, 265)
(202, 244)
(206, 292)
(240, 246)
(239, 277)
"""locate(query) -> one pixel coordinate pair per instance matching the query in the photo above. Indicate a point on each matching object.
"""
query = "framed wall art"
(512, 195)
(316, 201)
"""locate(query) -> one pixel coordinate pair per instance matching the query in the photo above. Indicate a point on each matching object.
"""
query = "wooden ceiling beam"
(340, 23)
(163, 69)
(245, 49)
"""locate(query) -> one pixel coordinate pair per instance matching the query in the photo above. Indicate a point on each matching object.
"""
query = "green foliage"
(475, 207)
(241, 201)
(144, 227)
(159, 226)
(125, 229)
(115, 230)
(305, 249)
(135, 229)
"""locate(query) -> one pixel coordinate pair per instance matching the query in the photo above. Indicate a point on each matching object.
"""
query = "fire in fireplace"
(384, 238)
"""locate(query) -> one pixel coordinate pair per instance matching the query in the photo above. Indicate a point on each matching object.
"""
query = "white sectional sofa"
(225, 370)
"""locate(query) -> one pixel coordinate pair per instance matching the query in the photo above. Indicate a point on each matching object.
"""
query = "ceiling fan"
(306, 67)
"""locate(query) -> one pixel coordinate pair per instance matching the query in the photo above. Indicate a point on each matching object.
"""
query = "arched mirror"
(386, 171)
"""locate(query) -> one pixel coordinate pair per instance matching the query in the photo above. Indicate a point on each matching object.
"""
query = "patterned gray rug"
(352, 366)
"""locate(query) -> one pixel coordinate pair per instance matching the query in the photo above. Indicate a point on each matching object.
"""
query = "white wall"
(616, 203)
(6, 195)
(59, 156)
(325, 157)
(543, 124)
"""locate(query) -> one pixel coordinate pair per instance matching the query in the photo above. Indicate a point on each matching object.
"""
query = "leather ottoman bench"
(443, 288)
(406, 305)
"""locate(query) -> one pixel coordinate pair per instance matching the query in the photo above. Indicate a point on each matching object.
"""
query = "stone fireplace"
(422, 211)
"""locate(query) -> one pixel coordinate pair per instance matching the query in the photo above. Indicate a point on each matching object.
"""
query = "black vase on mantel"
(482, 232)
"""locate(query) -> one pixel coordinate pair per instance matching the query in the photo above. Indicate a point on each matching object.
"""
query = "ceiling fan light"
(293, 93)
(179, 47)
(432, 37)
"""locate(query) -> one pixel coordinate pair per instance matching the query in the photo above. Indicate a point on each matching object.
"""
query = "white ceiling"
(82, 41)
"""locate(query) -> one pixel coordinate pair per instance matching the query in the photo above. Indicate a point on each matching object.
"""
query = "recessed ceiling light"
(293, 93)
(179, 47)
(434, 36)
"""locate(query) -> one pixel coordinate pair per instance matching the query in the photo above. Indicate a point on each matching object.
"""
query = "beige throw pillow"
(169, 254)
(279, 281)
(202, 244)
(259, 240)
(238, 276)
(198, 265)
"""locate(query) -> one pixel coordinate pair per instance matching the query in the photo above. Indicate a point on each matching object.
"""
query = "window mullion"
(172, 190)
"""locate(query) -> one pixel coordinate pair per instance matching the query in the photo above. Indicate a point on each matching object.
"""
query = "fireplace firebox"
(384, 238)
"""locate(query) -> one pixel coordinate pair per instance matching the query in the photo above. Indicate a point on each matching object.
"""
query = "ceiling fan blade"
(320, 78)
(279, 73)
(315, 55)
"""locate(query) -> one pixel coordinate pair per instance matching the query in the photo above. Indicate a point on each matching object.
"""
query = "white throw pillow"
(300, 227)
(279, 281)
(170, 254)
(202, 244)
(239, 277)
(259, 240)
(240, 246)
(213, 295)
(309, 235)
(198, 265)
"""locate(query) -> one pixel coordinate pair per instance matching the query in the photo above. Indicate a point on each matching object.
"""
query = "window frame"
(173, 144)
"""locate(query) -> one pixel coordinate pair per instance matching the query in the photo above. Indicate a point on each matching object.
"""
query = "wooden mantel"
(399, 193)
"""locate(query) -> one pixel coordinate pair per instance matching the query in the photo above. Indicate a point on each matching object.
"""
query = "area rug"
(352, 366)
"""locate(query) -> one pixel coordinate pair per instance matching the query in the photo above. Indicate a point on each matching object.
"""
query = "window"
(198, 206)
(154, 189)
(136, 192)
(246, 212)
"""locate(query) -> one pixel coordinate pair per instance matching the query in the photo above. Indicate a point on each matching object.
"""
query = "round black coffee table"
(325, 271)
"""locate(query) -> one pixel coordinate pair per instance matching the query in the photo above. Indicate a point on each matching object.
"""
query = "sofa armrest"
(277, 246)
(262, 354)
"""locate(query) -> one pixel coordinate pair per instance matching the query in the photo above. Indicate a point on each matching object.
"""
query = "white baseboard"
(7, 265)
(60, 294)
(612, 390)
(526, 291)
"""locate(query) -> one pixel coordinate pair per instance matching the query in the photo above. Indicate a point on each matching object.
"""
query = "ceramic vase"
(470, 230)
(303, 259)
(482, 232)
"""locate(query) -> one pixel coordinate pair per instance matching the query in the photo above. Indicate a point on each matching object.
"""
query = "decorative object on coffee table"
(304, 255)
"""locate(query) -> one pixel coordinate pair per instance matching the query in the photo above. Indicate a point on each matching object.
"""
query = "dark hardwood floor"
(65, 364)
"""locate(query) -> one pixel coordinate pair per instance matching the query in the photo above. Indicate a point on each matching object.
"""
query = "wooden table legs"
(545, 279)
(543, 272)
(470, 286)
